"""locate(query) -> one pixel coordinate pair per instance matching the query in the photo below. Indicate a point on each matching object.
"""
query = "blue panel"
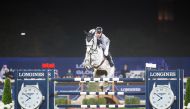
(165, 77)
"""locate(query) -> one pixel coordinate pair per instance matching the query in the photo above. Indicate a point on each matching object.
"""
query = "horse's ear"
(85, 32)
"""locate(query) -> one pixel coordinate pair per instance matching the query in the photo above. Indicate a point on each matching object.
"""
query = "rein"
(100, 63)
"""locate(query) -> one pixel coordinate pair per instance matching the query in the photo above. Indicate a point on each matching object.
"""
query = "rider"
(103, 42)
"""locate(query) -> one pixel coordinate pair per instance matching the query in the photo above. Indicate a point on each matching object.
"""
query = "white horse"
(94, 58)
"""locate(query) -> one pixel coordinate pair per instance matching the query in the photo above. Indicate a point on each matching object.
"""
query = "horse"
(95, 59)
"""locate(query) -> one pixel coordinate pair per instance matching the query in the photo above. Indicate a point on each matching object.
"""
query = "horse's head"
(91, 42)
(92, 51)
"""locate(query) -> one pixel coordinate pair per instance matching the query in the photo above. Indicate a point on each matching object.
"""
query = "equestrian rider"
(103, 42)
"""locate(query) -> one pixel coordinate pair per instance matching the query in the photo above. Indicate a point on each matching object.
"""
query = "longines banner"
(31, 87)
(164, 89)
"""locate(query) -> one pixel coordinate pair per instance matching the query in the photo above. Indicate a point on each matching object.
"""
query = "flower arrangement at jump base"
(187, 97)
(7, 97)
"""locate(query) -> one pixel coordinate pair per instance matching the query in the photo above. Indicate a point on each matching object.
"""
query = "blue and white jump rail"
(98, 79)
(100, 93)
(99, 106)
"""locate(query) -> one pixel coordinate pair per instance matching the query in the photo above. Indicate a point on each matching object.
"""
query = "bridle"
(92, 51)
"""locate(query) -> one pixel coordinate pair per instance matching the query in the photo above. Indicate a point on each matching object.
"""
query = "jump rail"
(100, 93)
(98, 79)
(99, 106)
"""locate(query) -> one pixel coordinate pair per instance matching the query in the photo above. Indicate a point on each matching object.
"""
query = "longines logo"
(31, 74)
(162, 73)
(131, 89)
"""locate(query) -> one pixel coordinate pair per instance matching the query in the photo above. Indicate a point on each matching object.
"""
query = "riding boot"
(109, 58)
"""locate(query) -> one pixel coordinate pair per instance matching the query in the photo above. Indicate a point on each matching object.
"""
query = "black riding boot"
(109, 58)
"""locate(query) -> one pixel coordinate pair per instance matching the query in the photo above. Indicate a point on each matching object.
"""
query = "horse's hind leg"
(104, 85)
(111, 72)
(97, 74)
(101, 84)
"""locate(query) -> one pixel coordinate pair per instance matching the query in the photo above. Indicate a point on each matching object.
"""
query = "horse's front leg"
(94, 73)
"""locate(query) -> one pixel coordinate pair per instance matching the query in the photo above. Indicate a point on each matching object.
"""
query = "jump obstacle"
(98, 79)
(173, 77)
(100, 93)
(100, 106)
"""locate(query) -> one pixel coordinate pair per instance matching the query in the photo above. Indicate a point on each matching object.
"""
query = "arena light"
(23, 34)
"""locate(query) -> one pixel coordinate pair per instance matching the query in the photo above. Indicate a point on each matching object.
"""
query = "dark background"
(55, 28)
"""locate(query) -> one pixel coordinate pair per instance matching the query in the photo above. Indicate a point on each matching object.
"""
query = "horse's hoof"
(102, 88)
